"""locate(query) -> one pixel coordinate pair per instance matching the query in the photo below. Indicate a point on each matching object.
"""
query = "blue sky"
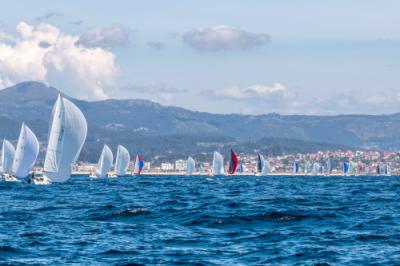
(286, 56)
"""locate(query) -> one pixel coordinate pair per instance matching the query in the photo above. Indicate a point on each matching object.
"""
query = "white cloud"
(158, 92)
(44, 53)
(223, 37)
(114, 35)
(151, 88)
(254, 92)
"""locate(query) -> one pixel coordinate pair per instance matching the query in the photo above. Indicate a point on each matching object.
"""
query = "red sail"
(233, 163)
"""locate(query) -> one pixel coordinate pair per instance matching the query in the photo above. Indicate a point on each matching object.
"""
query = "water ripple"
(199, 220)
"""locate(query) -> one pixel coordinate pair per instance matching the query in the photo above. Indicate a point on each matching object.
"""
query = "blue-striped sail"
(345, 167)
(295, 167)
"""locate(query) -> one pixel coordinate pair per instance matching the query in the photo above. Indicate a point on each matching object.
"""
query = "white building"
(180, 165)
(167, 167)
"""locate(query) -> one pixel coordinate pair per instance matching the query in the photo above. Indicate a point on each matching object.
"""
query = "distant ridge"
(154, 129)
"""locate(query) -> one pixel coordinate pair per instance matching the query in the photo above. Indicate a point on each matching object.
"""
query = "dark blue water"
(197, 220)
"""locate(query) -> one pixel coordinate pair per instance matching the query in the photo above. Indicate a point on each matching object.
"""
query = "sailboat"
(262, 166)
(315, 168)
(361, 168)
(305, 168)
(68, 131)
(295, 167)
(105, 162)
(378, 170)
(388, 170)
(190, 166)
(351, 169)
(7, 157)
(139, 164)
(345, 168)
(218, 164)
(329, 166)
(122, 161)
(26, 152)
(241, 169)
(233, 163)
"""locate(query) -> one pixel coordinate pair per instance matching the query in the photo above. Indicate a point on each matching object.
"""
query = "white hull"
(9, 178)
(41, 180)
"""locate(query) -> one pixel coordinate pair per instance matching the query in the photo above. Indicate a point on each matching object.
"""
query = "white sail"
(67, 135)
(122, 161)
(306, 168)
(7, 156)
(315, 168)
(218, 164)
(190, 166)
(262, 165)
(105, 162)
(266, 169)
(26, 152)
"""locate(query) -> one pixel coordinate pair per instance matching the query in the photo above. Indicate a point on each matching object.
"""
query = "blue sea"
(169, 220)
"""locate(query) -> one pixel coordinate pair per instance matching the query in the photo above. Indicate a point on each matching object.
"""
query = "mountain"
(154, 129)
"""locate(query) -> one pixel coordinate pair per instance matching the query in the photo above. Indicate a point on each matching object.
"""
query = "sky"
(228, 56)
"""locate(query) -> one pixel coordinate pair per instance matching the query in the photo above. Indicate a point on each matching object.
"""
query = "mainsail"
(388, 170)
(7, 156)
(105, 162)
(190, 166)
(233, 163)
(345, 167)
(315, 168)
(351, 168)
(329, 166)
(122, 161)
(26, 152)
(139, 164)
(262, 165)
(241, 168)
(295, 167)
(360, 168)
(218, 164)
(67, 135)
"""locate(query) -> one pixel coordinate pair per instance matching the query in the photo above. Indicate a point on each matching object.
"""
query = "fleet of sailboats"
(67, 135)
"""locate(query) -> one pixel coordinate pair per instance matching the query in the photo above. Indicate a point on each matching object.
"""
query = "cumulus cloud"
(223, 37)
(114, 35)
(254, 92)
(158, 92)
(44, 53)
